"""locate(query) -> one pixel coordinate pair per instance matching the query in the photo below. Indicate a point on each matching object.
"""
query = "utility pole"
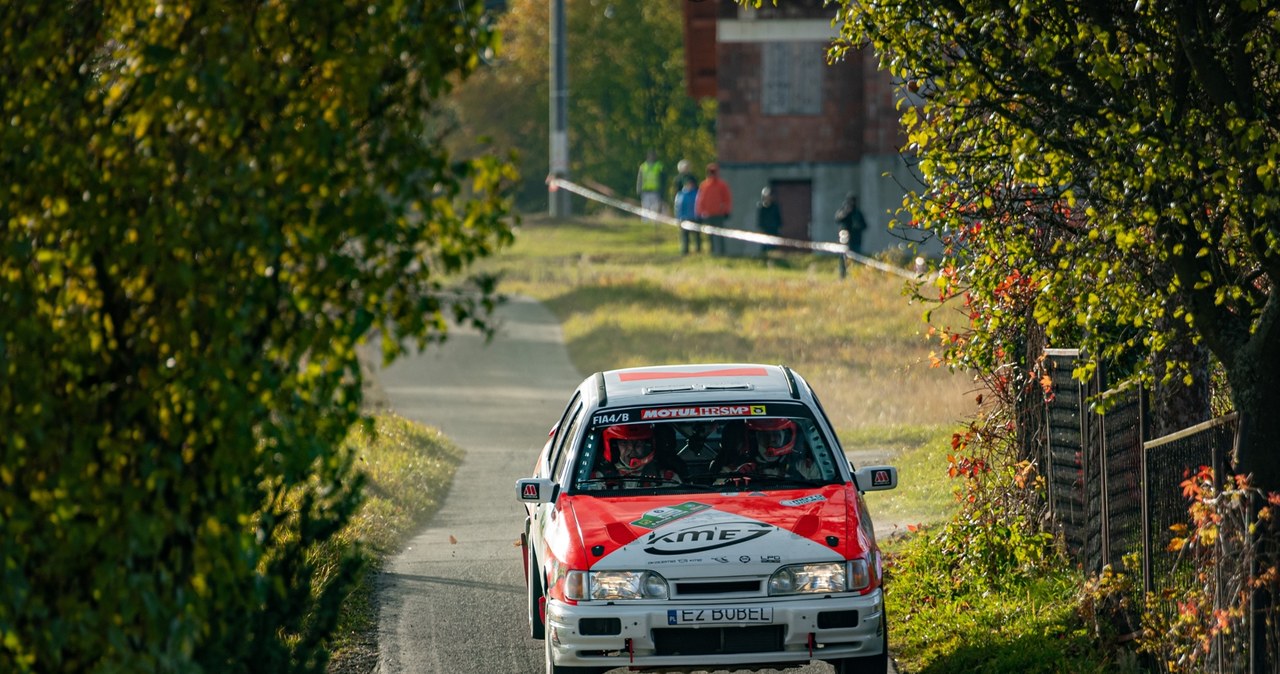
(559, 156)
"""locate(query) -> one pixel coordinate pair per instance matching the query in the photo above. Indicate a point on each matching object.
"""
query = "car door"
(562, 449)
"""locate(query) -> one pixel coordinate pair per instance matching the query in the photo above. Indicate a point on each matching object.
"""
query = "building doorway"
(795, 200)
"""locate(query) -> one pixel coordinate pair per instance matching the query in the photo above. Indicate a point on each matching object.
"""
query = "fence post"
(1101, 437)
(844, 257)
(1145, 481)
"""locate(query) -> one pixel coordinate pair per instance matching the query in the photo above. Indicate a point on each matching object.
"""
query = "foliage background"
(1109, 171)
(206, 207)
(626, 94)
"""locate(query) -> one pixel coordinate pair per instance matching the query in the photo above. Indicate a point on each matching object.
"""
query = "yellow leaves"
(114, 93)
(141, 123)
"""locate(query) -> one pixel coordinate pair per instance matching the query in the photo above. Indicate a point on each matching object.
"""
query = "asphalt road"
(453, 600)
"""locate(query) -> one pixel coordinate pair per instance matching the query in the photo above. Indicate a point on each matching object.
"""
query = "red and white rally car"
(701, 517)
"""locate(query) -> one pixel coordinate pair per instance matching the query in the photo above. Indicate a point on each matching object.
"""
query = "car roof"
(696, 382)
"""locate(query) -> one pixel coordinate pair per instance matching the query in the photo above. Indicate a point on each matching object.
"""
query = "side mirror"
(534, 490)
(876, 478)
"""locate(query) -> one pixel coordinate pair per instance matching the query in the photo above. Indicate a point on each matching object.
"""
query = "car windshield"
(720, 454)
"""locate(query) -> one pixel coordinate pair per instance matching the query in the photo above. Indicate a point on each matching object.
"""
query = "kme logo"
(703, 537)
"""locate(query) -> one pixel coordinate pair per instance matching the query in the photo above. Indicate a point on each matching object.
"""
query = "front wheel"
(869, 664)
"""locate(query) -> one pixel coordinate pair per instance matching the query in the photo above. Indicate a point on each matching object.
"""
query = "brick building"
(787, 119)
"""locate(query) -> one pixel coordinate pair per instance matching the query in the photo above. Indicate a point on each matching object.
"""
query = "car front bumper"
(619, 634)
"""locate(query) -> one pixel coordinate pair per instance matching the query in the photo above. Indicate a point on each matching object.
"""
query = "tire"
(553, 668)
(869, 664)
(533, 582)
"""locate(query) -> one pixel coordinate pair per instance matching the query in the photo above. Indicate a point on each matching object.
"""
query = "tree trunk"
(1258, 448)
(1176, 405)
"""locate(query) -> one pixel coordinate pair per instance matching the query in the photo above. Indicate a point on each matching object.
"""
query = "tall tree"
(206, 207)
(1118, 160)
(626, 94)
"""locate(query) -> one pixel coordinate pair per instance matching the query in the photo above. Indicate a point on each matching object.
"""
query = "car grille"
(748, 587)
(715, 640)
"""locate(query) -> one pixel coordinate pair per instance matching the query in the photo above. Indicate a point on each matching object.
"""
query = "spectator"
(850, 219)
(714, 205)
(685, 201)
(683, 173)
(649, 184)
(768, 217)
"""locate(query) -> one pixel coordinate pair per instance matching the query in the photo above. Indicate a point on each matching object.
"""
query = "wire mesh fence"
(1113, 492)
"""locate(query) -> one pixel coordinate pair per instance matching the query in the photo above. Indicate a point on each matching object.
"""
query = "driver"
(629, 453)
(769, 450)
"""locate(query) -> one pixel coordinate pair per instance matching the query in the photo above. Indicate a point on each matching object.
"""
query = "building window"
(793, 78)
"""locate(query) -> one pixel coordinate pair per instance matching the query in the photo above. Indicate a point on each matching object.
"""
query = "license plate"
(720, 616)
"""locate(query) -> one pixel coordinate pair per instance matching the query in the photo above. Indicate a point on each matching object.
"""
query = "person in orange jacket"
(714, 205)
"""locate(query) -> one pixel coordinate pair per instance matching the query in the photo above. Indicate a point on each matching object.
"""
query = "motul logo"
(705, 411)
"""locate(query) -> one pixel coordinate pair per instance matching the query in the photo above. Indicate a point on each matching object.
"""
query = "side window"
(564, 419)
(564, 443)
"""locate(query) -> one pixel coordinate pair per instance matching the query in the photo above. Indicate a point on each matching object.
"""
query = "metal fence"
(1112, 491)
(1093, 464)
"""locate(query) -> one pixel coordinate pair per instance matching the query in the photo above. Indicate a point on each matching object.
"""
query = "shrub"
(207, 207)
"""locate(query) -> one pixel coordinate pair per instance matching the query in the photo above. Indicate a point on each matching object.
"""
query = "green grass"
(944, 622)
(409, 468)
(925, 494)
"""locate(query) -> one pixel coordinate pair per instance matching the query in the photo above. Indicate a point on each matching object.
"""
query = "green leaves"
(204, 211)
(1120, 159)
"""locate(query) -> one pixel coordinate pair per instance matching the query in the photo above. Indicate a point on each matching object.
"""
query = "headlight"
(803, 578)
(608, 585)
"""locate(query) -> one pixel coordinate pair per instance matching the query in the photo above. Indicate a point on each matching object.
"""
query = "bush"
(206, 209)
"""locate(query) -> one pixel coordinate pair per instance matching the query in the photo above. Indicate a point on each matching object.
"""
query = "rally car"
(701, 517)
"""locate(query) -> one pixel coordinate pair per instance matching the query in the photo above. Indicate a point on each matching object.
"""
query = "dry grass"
(625, 297)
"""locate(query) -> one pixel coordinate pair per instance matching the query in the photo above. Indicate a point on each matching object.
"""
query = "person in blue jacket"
(684, 210)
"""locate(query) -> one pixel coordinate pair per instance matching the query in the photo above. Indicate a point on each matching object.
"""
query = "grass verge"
(409, 468)
(941, 622)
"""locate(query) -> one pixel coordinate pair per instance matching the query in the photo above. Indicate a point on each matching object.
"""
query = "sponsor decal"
(722, 560)
(619, 418)
(706, 536)
(703, 411)
(529, 491)
(812, 498)
(745, 559)
(771, 559)
(660, 516)
(880, 478)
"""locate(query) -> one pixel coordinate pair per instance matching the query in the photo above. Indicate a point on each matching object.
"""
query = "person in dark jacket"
(850, 220)
(768, 217)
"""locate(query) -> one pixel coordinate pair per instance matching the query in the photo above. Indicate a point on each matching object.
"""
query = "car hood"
(717, 534)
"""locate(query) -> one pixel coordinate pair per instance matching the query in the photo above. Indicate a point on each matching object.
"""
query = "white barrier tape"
(740, 234)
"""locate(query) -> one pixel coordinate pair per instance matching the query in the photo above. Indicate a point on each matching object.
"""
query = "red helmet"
(775, 437)
(637, 455)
